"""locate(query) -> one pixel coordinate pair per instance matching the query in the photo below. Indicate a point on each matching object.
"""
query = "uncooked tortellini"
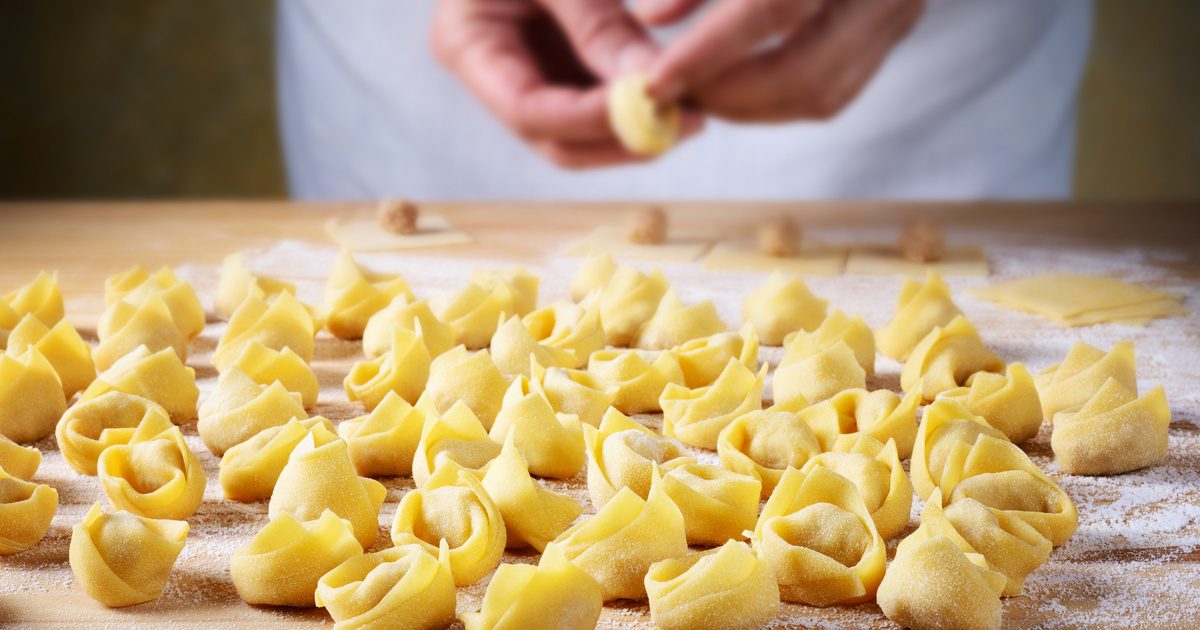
(697, 416)
(454, 437)
(125, 326)
(282, 564)
(717, 504)
(237, 281)
(92, 425)
(729, 587)
(250, 469)
(643, 126)
(354, 294)
(159, 376)
(514, 345)
(576, 392)
(400, 587)
(63, 348)
(239, 408)
(277, 322)
(267, 365)
(1010, 402)
(702, 360)
(122, 559)
(623, 454)
(920, 308)
(880, 414)
(137, 284)
(639, 382)
(403, 370)
(934, 584)
(31, 397)
(522, 286)
(461, 376)
(527, 596)
(782, 306)
(629, 299)
(763, 444)
(19, 461)
(407, 314)
(1068, 385)
(1114, 432)
(533, 515)
(840, 327)
(26, 510)
(573, 329)
(593, 275)
(474, 313)
(155, 474)
(551, 443)
(946, 358)
(875, 471)
(814, 373)
(674, 323)
(41, 297)
(946, 423)
(382, 444)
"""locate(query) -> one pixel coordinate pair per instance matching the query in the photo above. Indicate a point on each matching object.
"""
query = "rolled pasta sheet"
(630, 298)
(472, 378)
(727, 588)
(702, 360)
(404, 370)
(159, 376)
(383, 443)
(593, 275)
(1114, 432)
(675, 323)
(876, 472)
(1070, 384)
(239, 408)
(41, 296)
(573, 329)
(268, 365)
(155, 474)
(945, 424)
(763, 444)
(717, 504)
(932, 584)
(946, 358)
(1010, 402)
(820, 540)
(880, 414)
(125, 326)
(26, 510)
(122, 559)
(533, 514)
(319, 477)
(453, 507)
(283, 563)
(31, 397)
(249, 470)
(552, 443)
(622, 454)
(921, 307)
(92, 425)
(455, 437)
(136, 285)
(513, 345)
(403, 587)
(62, 346)
(555, 593)
(781, 306)
(19, 461)
(639, 382)
(697, 416)
(405, 313)
(278, 321)
(353, 294)
(618, 544)
(811, 373)
(576, 392)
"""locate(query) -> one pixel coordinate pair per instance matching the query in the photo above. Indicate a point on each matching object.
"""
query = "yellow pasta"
(521, 286)
(920, 308)
(382, 444)
(1010, 402)
(629, 299)
(875, 471)
(403, 370)
(319, 477)
(717, 504)
(474, 313)
(513, 346)
(880, 414)
(461, 376)
(618, 544)
(250, 469)
(137, 284)
(576, 392)
(19, 461)
(697, 416)
(551, 443)
(639, 382)
(533, 515)
(573, 329)
(674, 323)
(354, 294)
(8, 321)
(159, 376)
(727, 588)
(452, 506)
(643, 126)
(839, 327)
(284, 562)
(946, 358)
(237, 282)
(455, 437)
(277, 322)
(123, 559)
(407, 314)
(26, 510)
(403, 587)
(125, 326)
(813, 373)
(763, 444)
(62, 346)
(239, 408)
(1070, 384)
(782, 306)
(555, 592)
(703, 360)
(267, 365)
(932, 584)
(623, 454)
(593, 275)
(945, 424)
(92, 425)
(31, 397)
(1114, 432)
(40, 297)
(155, 474)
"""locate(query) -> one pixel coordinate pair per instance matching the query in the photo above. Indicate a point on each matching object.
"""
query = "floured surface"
(366, 235)
(1134, 561)
(813, 259)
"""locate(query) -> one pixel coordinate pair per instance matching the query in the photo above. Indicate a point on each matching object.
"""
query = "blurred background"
(176, 98)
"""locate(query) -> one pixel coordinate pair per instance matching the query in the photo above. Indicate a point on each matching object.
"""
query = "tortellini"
(1070, 384)
(814, 373)
(673, 323)
(452, 506)
(618, 544)
(8, 320)
(239, 408)
(123, 559)
(702, 360)
(533, 515)
(1114, 432)
(250, 469)
(319, 477)
(576, 392)
(946, 423)
(1010, 402)
(402, 587)
(126, 326)
(729, 587)
(407, 314)
(513, 346)
(593, 275)
(526, 596)
(404, 370)
(283, 563)
(19, 461)
(880, 414)
(875, 471)
(573, 329)
(277, 322)
(623, 454)
(475, 312)
(763, 444)
(932, 584)
(644, 126)
(237, 282)
(354, 294)
(461, 376)
(95, 424)
(31, 397)
(551, 443)
(155, 474)
(920, 308)
(137, 284)
(639, 382)
(159, 376)
(839, 327)
(782, 306)
(521, 285)
(945, 358)
(62, 346)
(697, 416)
(820, 540)
(717, 504)
(455, 437)
(383, 443)
(268, 365)
(40, 297)
(26, 510)
(630, 298)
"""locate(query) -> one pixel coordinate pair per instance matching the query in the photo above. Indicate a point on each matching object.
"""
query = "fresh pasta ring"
(643, 126)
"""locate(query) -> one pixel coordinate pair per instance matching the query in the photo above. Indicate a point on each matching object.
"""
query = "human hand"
(540, 67)
(775, 60)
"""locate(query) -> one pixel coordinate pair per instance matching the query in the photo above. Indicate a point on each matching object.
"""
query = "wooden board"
(1134, 561)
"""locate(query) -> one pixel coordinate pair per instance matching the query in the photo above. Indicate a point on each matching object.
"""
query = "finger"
(663, 12)
(585, 155)
(605, 35)
(728, 33)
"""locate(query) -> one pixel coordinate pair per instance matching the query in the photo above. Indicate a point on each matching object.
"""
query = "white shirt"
(979, 101)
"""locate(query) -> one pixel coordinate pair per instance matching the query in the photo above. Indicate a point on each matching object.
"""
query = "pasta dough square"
(813, 259)
(1078, 300)
(873, 260)
(682, 245)
(366, 235)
